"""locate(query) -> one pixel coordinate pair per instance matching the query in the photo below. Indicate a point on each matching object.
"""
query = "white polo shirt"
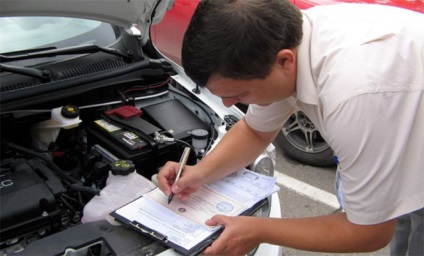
(361, 82)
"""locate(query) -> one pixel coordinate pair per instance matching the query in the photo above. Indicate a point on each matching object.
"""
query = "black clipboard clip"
(149, 231)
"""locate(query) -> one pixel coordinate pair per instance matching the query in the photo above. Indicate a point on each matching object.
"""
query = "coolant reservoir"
(46, 132)
(123, 185)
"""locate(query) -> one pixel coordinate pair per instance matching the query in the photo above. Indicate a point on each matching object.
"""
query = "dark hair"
(238, 39)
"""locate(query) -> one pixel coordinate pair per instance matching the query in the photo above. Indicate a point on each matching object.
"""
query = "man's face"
(276, 86)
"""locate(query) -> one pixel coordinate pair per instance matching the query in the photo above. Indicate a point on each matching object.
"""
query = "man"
(357, 71)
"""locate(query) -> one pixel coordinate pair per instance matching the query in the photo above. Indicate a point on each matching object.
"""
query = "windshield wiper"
(42, 74)
(92, 48)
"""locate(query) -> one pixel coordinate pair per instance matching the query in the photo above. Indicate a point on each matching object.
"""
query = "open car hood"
(122, 13)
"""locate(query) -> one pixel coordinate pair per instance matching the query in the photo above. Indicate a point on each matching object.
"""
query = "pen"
(183, 162)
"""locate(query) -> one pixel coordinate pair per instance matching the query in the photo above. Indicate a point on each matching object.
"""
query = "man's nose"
(228, 102)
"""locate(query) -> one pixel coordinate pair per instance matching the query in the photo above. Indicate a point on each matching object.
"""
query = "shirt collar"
(305, 85)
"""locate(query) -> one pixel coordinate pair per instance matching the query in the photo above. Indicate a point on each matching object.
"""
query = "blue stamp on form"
(224, 207)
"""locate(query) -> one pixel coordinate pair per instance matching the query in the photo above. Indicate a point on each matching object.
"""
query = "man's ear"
(286, 59)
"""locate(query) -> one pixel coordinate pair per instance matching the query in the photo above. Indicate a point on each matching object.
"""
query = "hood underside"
(123, 13)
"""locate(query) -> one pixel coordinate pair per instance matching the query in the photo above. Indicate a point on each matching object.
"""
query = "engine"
(30, 198)
(53, 161)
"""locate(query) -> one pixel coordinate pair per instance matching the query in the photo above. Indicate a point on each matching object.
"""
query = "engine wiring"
(73, 183)
(124, 98)
(147, 87)
(211, 124)
(162, 138)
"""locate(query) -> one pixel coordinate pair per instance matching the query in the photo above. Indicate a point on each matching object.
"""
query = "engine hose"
(74, 183)
(49, 163)
(85, 189)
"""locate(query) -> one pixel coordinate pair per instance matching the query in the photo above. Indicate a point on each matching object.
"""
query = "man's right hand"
(190, 180)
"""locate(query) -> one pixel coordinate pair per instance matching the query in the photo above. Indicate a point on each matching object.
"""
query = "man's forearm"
(235, 151)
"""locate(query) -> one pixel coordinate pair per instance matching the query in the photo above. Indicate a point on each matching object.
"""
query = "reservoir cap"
(122, 167)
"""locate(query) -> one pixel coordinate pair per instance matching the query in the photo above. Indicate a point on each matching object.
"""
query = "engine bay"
(54, 160)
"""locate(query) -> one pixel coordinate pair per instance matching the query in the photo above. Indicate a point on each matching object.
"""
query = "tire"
(303, 142)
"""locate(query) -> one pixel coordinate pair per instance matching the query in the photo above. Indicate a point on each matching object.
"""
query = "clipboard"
(181, 225)
(193, 251)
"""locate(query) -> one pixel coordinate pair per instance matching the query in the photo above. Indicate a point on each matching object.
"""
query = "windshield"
(24, 33)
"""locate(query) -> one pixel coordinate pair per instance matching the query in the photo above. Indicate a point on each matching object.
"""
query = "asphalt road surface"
(307, 191)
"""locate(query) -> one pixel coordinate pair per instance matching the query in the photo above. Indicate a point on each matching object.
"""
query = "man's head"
(239, 39)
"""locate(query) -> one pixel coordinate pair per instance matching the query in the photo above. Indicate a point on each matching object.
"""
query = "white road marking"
(305, 189)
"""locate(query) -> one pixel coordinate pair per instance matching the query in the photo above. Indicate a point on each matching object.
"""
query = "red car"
(301, 140)
(179, 16)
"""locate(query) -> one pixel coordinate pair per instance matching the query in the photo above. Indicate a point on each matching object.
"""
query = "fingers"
(216, 220)
(238, 237)
(218, 245)
(166, 177)
(186, 184)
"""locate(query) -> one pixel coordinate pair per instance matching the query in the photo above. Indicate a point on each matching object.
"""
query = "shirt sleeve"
(271, 117)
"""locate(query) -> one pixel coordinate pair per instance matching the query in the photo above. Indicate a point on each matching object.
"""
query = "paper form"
(246, 186)
(183, 222)
(203, 205)
(176, 228)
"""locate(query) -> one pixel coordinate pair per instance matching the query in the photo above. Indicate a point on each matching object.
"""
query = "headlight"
(263, 165)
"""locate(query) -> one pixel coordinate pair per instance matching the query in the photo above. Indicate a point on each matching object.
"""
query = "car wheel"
(303, 142)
